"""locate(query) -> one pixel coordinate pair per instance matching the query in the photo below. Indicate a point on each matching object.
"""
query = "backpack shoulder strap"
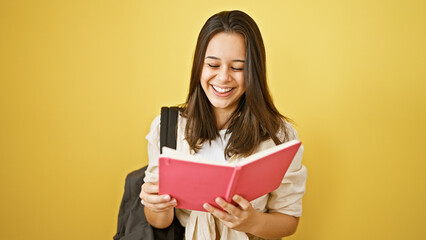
(168, 127)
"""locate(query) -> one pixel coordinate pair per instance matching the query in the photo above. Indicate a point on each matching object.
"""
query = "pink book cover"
(194, 181)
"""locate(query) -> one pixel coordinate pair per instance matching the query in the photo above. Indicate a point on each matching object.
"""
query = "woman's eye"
(212, 65)
(237, 69)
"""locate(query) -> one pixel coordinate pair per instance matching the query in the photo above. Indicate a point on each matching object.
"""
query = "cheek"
(240, 80)
(204, 79)
(206, 75)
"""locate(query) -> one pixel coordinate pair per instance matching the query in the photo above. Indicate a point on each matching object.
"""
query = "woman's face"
(222, 77)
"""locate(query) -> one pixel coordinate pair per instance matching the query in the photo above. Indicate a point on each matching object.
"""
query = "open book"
(194, 181)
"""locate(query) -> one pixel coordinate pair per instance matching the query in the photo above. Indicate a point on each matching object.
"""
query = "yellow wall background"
(80, 82)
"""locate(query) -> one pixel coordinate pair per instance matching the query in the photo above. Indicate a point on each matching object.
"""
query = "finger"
(242, 202)
(155, 199)
(146, 190)
(231, 209)
(143, 194)
(150, 187)
(218, 213)
(159, 207)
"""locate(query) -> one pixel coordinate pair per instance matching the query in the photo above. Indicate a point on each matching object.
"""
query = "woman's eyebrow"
(216, 58)
(212, 57)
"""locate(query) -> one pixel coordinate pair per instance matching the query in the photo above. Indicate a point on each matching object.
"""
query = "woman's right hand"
(153, 201)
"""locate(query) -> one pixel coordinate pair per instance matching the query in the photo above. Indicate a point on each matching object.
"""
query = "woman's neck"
(222, 119)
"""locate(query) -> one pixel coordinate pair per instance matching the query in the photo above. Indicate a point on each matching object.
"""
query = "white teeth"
(221, 90)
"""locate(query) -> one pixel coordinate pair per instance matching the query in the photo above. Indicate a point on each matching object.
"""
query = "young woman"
(229, 115)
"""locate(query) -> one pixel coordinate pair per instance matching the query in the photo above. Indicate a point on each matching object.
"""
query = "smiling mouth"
(220, 90)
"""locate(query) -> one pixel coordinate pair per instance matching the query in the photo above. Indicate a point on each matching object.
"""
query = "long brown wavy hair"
(256, 118)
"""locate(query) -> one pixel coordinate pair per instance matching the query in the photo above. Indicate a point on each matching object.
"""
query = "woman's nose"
(223, 74)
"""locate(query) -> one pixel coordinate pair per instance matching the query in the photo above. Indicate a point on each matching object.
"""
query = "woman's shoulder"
(154, 130)
(287, 132)
(156, 121)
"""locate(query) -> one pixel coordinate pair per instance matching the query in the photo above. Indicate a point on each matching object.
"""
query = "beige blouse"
(287, 198)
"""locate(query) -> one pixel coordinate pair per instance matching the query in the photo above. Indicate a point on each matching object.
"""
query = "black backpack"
(132, 223)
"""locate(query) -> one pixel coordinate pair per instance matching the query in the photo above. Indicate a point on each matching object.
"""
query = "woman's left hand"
(241, 217)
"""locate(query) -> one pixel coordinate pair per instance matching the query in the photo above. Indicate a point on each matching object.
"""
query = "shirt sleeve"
(287, 198)
(153, 137)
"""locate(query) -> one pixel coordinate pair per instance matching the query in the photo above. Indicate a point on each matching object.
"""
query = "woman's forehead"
(227, 46)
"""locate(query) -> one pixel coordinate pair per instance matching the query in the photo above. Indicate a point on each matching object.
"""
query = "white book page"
(172, 153)
(267, 152)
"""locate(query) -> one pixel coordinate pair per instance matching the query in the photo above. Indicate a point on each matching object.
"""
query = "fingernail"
(206, 206)
(173, 201)
(236, 198)
(167, 197)
(219, 200)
